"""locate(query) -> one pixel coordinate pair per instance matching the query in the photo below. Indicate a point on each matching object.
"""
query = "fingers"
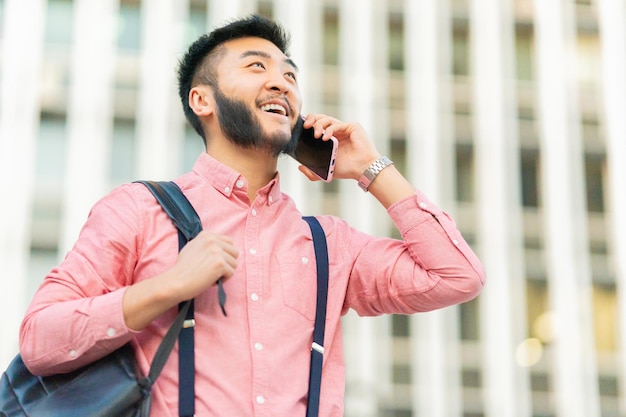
(220, 253)
(204, 260)
(308, 173)
(325, 126)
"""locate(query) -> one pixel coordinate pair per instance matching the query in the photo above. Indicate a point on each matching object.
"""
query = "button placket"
(255, 270)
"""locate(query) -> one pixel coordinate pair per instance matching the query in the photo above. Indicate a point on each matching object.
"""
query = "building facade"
(510, 114)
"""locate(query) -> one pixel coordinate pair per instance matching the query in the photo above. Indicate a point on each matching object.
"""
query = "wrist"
(372, 171)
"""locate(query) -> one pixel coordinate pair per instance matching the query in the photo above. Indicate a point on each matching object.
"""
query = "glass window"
(331, 37)
(464, 173)
(401, 374)
(524, 53)
(50, 152)
(40, 263)
(196, 24)
(460, 52)
(59, 24)
(122, 163)
(469, 320)
(193, 146)
(400, 325)
(529, 177)
(396, 42)
(264, 8)
(594, 166)
(49, 178)
(588, 50)
(129, 27)
(539, 317)
(605, 316)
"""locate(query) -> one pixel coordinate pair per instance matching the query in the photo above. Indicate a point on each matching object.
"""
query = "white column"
(303, 20)
(436, 390)
(363, 78)
(506, 384)
(160, 118)
(567, 256)
(22, 55)
(612, 15)
(90, 112)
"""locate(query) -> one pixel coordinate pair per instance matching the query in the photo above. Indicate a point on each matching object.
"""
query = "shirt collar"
(226, 180)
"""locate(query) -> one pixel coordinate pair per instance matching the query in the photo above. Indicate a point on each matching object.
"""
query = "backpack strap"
(317, 348)
(187, 221)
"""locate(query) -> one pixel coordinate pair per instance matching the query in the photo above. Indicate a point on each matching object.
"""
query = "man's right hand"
(204, 260)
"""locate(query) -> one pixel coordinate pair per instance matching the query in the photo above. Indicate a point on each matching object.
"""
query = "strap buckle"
(317, 347)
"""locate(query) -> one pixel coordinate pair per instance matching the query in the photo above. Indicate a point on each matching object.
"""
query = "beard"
(244, 129)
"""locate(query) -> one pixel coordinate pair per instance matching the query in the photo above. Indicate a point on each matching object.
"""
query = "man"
(124, 278)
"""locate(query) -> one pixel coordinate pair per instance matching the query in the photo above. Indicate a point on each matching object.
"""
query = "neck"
(257, 166)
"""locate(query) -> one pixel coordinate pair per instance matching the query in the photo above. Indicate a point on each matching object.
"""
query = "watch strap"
(372, 171)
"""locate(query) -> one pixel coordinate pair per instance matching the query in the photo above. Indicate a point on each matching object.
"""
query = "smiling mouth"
(274, 108)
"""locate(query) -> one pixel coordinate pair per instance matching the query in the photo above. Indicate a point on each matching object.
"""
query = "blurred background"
(509, 114)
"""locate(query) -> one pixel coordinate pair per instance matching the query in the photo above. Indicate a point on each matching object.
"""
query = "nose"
(276, 82)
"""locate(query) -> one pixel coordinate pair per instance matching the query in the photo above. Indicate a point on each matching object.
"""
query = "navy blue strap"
(187, 221)
(185, 218)
(317, 348)
(176, 205)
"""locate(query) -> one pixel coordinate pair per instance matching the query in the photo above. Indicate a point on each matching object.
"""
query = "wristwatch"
(372, 171)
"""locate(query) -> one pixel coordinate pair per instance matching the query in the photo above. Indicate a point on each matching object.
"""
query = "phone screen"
(316, 154)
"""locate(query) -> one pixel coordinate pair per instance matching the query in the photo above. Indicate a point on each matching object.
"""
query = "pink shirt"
(255, 362)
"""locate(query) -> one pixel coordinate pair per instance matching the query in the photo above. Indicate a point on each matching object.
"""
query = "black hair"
(193, 68)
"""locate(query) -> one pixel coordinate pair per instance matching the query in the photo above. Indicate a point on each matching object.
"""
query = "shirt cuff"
(412, 211)
(106, 314)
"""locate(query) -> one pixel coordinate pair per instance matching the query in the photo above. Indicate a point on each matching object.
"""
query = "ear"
(308, 173)
(201, 100)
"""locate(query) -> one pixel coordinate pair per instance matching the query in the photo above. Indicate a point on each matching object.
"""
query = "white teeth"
(274, 108)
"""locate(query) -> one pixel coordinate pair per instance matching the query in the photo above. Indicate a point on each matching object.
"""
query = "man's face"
(258, 100)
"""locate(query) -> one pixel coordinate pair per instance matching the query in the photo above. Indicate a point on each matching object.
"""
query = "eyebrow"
(264, 54)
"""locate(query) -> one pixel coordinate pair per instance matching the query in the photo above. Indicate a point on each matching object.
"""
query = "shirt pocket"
(299, 286)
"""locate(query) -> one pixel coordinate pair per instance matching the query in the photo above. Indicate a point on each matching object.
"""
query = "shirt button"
(254, 297)
(252, 251)
(271, 199)
(456, 242)
(73, 353)
(258, 346)
(254, 212)
(110, 332)
(260, 399)
(423, 205)
(305, 260)
(227, 190)
(239, 184)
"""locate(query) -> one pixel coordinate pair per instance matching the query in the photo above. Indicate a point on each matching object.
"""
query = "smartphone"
(316, 154)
